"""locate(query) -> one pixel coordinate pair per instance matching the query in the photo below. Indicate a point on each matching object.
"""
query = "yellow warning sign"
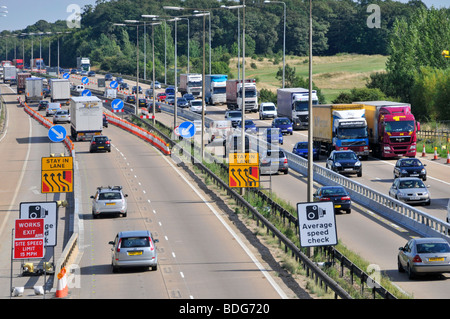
(57, 174)
(243, 169)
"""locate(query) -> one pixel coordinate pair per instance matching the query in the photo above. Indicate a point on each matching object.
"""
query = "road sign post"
(48, 211)
(317, 224)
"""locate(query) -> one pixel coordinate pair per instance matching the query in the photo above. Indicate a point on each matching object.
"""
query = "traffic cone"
(61, 289)
(448, 157)
(423, 151)
(435, 153)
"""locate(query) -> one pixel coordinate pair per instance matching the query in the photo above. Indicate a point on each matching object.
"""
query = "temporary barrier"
(139, 131)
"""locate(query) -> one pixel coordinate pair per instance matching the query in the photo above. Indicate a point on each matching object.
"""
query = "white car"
(61, 116)
(195, 106)
(267, 110)
(108, 200)
(52, 108)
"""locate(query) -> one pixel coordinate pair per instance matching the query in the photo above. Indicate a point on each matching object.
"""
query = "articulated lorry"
(392, 128)
(86, 117)
(33, 89)
(216, 88)
(234, 95)
(60, 90)
(21, 81)
(191, 83)
(293, 103)
(83, 64)
(340, 127)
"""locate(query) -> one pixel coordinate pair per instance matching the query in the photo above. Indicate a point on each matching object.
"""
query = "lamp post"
(153, 70)
(238, 36)
(132, 23)
(175, 103)
(284, 36)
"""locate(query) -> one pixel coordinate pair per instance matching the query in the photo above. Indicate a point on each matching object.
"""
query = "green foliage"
(267, 96)
(362, 94)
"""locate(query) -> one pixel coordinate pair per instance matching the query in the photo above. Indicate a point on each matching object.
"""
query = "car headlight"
(337, 164)
(358, 163)
(404, 171)
(423, 171)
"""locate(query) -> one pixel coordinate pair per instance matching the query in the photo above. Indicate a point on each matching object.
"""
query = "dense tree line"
(412, 35)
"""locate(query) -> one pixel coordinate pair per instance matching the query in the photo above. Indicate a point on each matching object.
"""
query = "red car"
(161, 97)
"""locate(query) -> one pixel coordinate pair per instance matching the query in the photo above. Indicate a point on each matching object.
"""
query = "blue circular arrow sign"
(86, 92)
(113, 84)
(85, 80)
(66, 75)
(186, 129)
(57, 133)
(117, 104)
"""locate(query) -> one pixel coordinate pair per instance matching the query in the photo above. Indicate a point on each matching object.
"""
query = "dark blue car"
(274, 135)
(301, 149)
(284, 124)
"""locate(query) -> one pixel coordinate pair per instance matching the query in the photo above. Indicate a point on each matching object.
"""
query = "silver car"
(134, 249)
(410, 190)
(109, 200)
(272, 162)
(234, 117)
(422, 256)
(61, 116)
(52, 108)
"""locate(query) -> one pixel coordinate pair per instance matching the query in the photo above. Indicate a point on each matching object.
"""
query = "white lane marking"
(232, 232)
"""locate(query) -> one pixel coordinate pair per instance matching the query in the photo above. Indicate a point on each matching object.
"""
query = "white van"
(79, 88)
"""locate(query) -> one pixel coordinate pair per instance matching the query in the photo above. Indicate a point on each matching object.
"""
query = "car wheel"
(115, 269)
(153, 268)
(359, 174)
(424, 178)
(428, 203)
(348, 211)
(286, 172)
(124, 214)
(399, 265)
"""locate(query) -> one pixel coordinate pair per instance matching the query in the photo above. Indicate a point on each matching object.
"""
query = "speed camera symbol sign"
(317, 224)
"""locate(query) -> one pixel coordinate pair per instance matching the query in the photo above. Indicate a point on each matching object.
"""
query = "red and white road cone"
(435, 153)
(61, 289)
(423, 151)
(448, 157)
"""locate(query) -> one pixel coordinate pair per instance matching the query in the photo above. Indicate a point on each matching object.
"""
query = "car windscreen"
(135, 242)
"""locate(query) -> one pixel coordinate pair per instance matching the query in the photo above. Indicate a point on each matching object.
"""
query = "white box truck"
(216, 88)
(9, 73)
(234, 95)
(60, 90)
(33, 89)
(293, 103)
(86, 116)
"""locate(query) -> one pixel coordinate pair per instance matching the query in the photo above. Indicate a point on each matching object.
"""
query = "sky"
(22, 13)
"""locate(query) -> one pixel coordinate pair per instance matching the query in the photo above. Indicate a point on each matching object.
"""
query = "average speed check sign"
(317, 224)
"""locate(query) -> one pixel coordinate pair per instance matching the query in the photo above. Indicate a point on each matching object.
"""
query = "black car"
(42, 105)
(336, 194)
(344, 162)
(108, 77)
(142, 103)
(157, 107)
(131, 99)
(105, 121)
(410, 167)
(123, 86)
(91, 73)
(100, 143)
(133, 90)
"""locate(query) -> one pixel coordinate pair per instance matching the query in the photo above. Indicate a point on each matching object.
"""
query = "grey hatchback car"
(134, 249)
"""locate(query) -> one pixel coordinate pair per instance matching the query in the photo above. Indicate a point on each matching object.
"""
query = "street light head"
(172, 8)
(131, 21)
(151, 16)
(119, 24)
(266, 1)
